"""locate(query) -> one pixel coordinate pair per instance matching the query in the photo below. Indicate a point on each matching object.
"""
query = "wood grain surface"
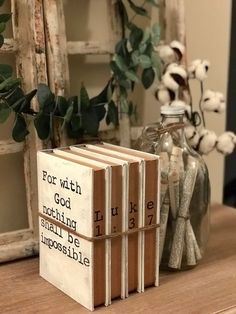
(209, 288)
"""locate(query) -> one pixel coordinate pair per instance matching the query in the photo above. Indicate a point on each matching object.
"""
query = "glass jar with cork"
(185, 195)
(185, 192)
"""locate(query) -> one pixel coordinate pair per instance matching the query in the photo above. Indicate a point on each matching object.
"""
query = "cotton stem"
(200, 105)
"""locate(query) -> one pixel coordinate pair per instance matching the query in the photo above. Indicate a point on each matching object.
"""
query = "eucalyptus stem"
(134, 16)
(200, 104)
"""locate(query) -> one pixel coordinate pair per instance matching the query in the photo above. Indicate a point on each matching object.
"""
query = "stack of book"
(99, 221)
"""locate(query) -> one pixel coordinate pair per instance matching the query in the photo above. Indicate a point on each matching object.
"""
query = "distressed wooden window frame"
(41, 49)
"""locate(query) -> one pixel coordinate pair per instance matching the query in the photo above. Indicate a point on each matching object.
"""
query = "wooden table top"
(209, 288)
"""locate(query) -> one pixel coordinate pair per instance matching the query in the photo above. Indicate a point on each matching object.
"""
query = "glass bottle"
(149, 138)
(185, 195)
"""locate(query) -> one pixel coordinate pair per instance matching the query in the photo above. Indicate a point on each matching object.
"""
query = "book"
(99, 221)
(136, 217)
(74, 200)
(119, 207)
(150, 211)
(130, 217)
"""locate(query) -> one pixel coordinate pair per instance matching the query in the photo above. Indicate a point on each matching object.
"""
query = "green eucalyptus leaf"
(149, 50)
(148, 77)
(156, 34)
(132, 76)
(76, 134)
(75, 123)
(109, 92)
(1, 40)
(18, 104)
(61, 104)
(46, 98)
(137, 9)
(120, 62)
(156, 63)
(145, 61)
(90, 122)
(2, 27)
(5, 17)
(23, 103)
(112, 114)
(19, 130)
(146, 35)
(104, 95)
(5, 112)
(6, 70)
(135, 37)
(42, 125)
(14, 95)
(135, 57)
(123, 92)
(122, 50)
(142, 48)
(9, 83)
(27, 103)
(156, 29)
(68, 115)
(84, 98)
(125, 83)
(116, 70)
(100, 111)
(74, 101)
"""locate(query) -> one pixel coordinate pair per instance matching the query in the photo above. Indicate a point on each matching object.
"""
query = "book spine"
(151, 217)
(99, 230)
(158, 222)
(124, 253)
(116, 226)
(133, 223)
(142, 178)
(108, 176)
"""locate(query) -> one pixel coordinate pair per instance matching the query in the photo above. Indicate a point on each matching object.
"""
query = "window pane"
(13, 209)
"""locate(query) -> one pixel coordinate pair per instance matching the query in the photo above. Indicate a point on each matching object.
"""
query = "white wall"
(208, 37)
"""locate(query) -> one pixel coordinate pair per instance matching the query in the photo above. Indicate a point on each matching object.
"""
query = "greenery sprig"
(135, 61)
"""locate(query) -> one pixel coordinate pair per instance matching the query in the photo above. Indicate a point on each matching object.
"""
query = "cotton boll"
(222, 105)
(178, 48)
(192, 135)
(192, 68)
(213, 101)
(201, 70)
(210, 101)
(207, 141)
(174, 77)
(169, 82)
(164, 95)
(208, 94)
(198, 69)
(166, 54)
(226, 143)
